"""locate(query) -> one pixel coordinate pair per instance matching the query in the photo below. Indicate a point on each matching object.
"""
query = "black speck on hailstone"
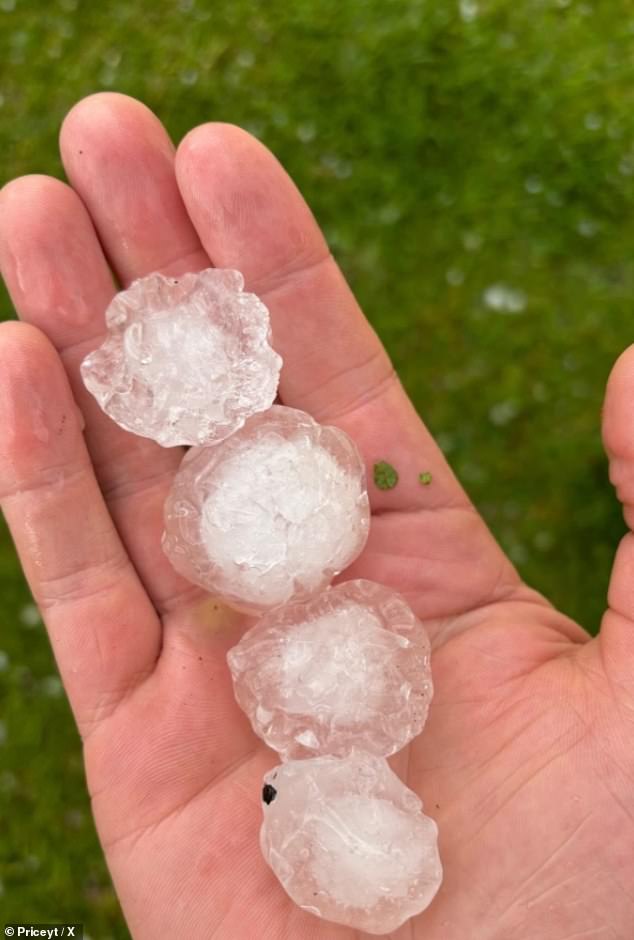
(268, 793)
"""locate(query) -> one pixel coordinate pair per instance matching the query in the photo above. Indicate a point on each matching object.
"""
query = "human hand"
(526, 762)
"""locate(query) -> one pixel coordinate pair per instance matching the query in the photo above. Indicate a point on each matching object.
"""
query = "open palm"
(527, 761)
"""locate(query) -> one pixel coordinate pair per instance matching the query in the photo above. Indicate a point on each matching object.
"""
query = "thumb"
(617, 629)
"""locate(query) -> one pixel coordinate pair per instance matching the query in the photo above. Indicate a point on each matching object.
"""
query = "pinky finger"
(104, 630)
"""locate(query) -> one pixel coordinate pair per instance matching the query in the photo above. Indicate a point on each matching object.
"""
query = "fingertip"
(29, 206)
(618, 408)
(224, 159)
(111, 118)
(50, 258)
(618, 430)
(247, 210)
(18, 340)
(220, 137)
(107, 109)
(17, 187)
(120, 159)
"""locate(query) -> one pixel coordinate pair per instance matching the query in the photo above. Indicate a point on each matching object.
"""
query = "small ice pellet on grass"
(52, 686)
(186, 360)
(272, 513)
(349, 842)
(30, 616)
(349, 667)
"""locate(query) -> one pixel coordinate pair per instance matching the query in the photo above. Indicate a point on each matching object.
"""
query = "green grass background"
(472, 164)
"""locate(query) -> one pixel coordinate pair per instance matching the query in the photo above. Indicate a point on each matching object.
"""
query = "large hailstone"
(272, 513)
(347, 668)
(186, 360)
(349, 842)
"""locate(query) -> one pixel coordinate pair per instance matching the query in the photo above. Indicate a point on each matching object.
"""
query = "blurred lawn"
(473, 166)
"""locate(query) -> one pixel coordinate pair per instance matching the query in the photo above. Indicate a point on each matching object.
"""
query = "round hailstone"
(187, 360)
(346, 668)
(349, 842)
(271, 514)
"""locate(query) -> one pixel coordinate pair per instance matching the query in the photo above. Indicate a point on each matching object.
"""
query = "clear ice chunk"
(349, 667)
(186, 360)
(272, 513)
(349, 842)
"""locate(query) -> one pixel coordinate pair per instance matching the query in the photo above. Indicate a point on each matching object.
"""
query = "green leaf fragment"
(385, 476)
(425, 478)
